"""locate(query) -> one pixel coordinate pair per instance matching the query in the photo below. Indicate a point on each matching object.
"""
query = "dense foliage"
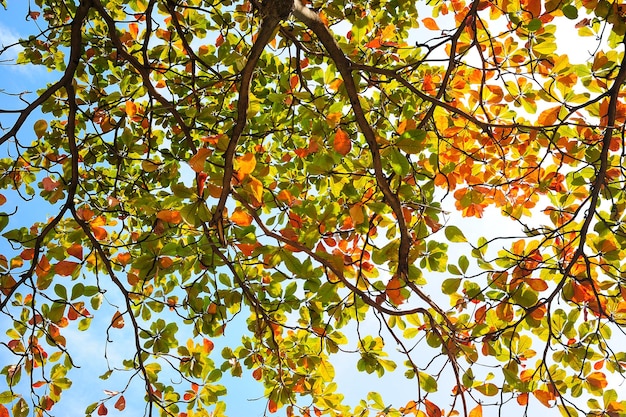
(320, 170)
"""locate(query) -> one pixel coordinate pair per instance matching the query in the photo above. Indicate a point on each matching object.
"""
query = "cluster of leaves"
(289, 163)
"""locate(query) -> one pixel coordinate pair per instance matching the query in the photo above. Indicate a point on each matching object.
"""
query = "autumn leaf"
(476, 411)
(272, 407)
(549, 116)
(120, 404)
(130, 108)
(430, 23)
(102, 410)
(393, 290)
(256, 187)
(117, 321)
(342, 143)
(170, 216)
(246, 164)
(65, 268)
(597, 380)
(196, 162)
(241, 218)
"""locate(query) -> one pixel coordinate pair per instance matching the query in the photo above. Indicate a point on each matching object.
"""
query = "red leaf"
(431, 409)
(342, 142)
(102, 410)
(257, 374)
(219, 41)
(49, 184)
(120, 404)
(3, 411)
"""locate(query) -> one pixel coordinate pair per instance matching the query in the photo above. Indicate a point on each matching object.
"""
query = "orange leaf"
(272, 406)
(432, 409)
(597, 380)
(241, 218)
(120, 404)
(117, 321)
(374, 43)
(208, 345)
(76, 251)
(257, 374)
(342, 142)
(165, 262)
(102, 410)
(246, 164)
(476, 411)
(65, 268)
(99, 233)
(334, 85)
(536, 284)
(549, 116)
(196, 162)
(170, 216)
(393, 290)
(43, 267)
(522, 399)
(544, 397)
(131, 108)
(123, 258)
(256, 187)
(219, 41)
(430, 23)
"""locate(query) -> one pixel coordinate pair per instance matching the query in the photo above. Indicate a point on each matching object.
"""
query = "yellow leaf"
(196, 162)
(246, 164)
(388, 32)
(342, 142)
(40, 128)
(149, 166)
(430, 23)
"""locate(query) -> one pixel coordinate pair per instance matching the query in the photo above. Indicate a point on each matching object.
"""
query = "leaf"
(246, 165)
(197, 161)
(120, 404)
(130, 108)
(272, 407)
(102, 410)
(393, 290)
(549, 116)
(256, 187)
(429, 23)
(170, 216)
(117, 322)
(342, 143)
(454, 234)
(597, 380)
(476, 411)
(65, 268)
(40, 128)
(241, 218)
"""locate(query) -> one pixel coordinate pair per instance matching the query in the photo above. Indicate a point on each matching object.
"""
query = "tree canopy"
(435, 188)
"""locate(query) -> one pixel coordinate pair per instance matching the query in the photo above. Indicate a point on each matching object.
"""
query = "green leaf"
(534, 25)
(570, 11)
(454, 234)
